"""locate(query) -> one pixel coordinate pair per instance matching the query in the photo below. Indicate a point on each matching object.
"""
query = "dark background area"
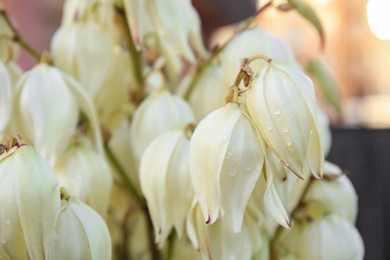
(365, 155)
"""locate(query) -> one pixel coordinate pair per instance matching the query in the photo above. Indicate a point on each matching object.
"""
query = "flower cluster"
(149, 146)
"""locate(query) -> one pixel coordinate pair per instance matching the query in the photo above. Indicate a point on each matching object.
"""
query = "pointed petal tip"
(208, 221)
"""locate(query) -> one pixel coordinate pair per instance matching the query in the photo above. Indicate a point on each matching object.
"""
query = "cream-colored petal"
(153, 173)
(241, 168)
(208, 148)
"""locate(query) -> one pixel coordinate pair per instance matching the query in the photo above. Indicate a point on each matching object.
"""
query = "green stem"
(19, 39)
(125, 179)
(135, 55)
(171, 245)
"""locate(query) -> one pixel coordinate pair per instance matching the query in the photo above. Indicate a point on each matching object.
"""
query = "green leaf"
(327, 85)
(309, 14)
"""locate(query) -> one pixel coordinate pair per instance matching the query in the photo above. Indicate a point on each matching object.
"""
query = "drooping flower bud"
(250, 43)
(83, 50)
(5, 97)
(47, 103)
(84, 173)
(174, 32)
(328, 238)
(29, 201)
(209, 92)
(282, 103)
(79, 233)
(161, 111)
(226, 158)
(335, 193)
(166, 182)
(219, 241)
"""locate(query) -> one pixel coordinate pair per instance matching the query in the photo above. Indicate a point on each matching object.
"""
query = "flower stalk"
(18, 38)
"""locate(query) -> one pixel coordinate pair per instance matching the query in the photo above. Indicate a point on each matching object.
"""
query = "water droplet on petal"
(233, 173)
(248, 168)
(277, 112)
(269, 128)
(285, 130)
(289, 143)
(229, 152)
(295, 113)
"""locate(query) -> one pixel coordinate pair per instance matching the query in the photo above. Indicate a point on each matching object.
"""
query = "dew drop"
(289, 143)
(269, 128)
(248, 169)
(285, 130)
(233, 173)
(295, 113)
(277, 112)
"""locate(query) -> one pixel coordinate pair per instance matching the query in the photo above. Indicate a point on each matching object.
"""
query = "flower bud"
(327, 238)
(174, 32)
(84, 51)
(209, 92)
(250, 43)
(5, 97)
(79, 233)
(161, 111)
(84, 173)
(282, 103)
(335, 193)
(113, 95)
(47, 103)
(166, 182)
(29, 202)
(226, 158)
(219, 241)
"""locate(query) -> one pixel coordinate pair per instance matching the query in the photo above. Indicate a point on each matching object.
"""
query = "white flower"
(209, 92)
(5, 97)
(328, 238)
(29, 202)
(171, 33)
(86, 175)
(219, 241)
(335, 193)
(250, 43)
(161, 111)
(79, 233)
(226, 158)
(46, 103)
(282, 103)
(83, 50)
(166, 182)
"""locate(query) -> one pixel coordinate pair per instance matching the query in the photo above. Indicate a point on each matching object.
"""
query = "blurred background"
(357, 55)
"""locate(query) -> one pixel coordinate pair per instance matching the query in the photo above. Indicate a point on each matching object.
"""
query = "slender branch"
(135, 55)
(18, 38)
(125, 179)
